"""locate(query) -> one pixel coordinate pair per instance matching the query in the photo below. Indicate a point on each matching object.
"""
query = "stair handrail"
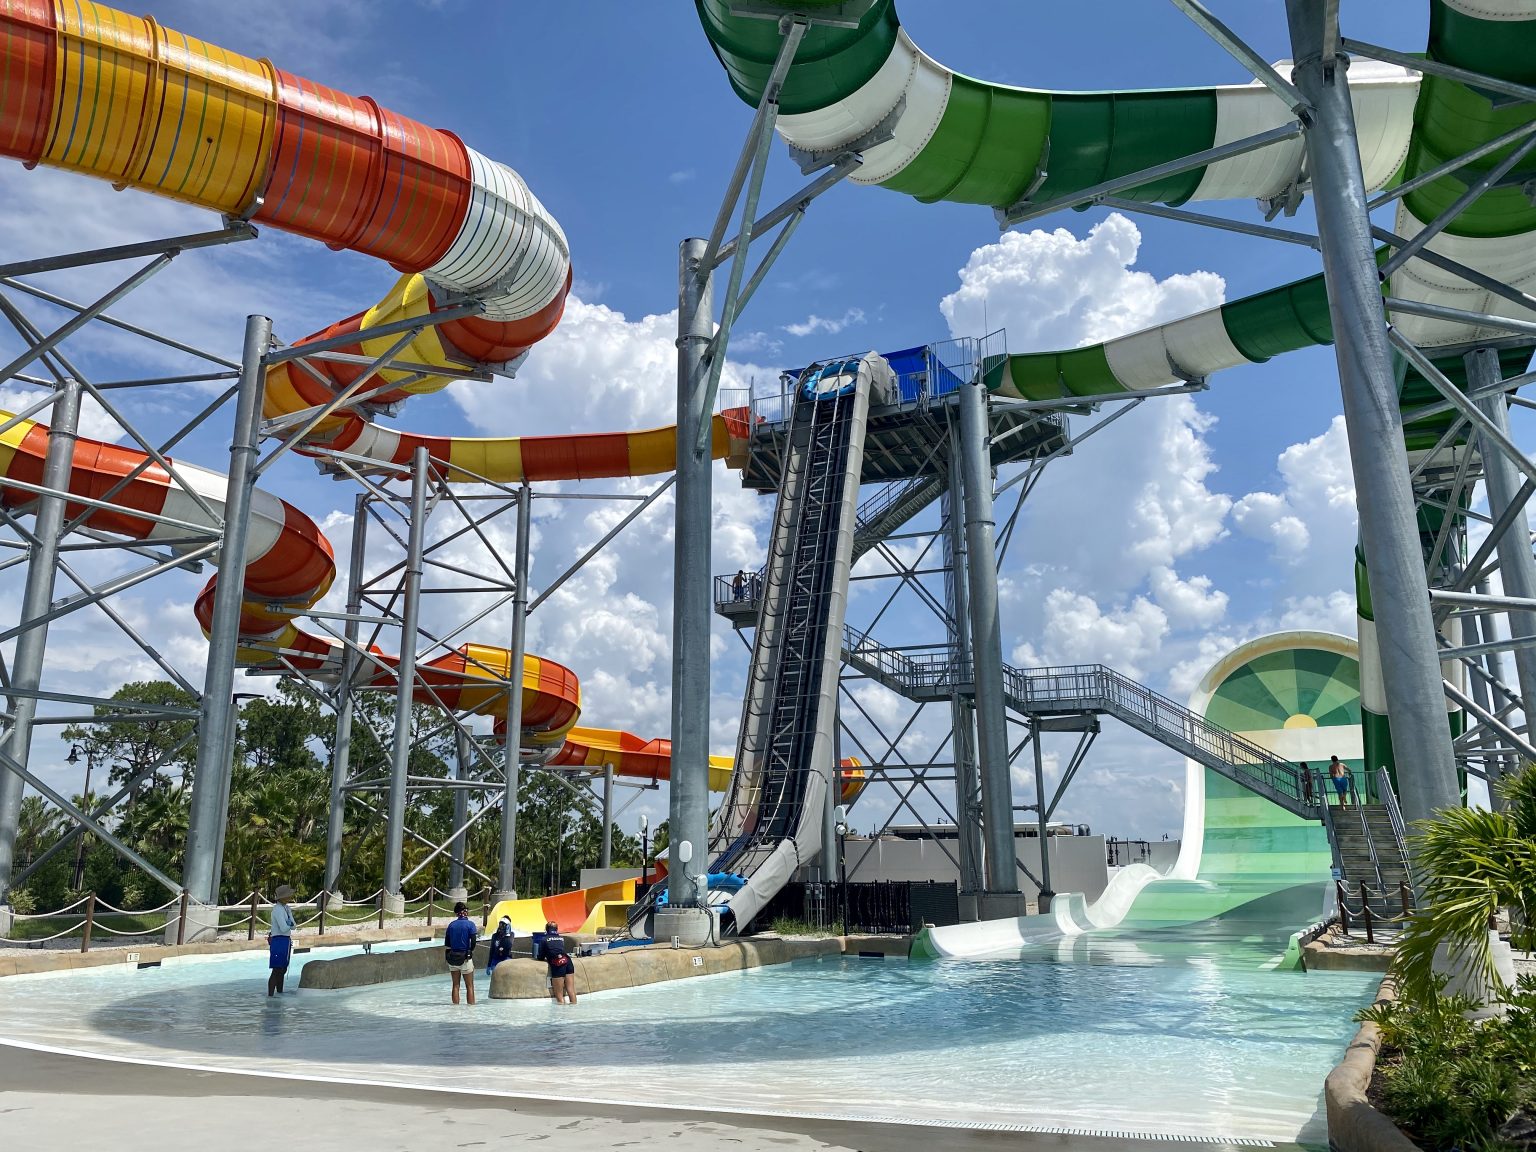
(1394, 814)
(1333, 837)
(1370, 844)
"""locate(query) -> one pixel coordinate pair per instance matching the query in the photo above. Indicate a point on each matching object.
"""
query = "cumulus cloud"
(830, 325)
(1078, 631)
(1315, 508)
(1054, 290)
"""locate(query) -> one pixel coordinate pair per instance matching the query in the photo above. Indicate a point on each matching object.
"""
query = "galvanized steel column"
(36, 599)
(463, 753)
(1405, 631)
(688, 800)
(214, 752)
(1517, 566)
(986, 640)
(405, 678)
(962, 709)
(341, 749)
(605, 858)
(1043, 902)
(512, 734)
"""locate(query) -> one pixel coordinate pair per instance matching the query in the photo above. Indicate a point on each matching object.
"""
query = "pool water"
(1189, 1048)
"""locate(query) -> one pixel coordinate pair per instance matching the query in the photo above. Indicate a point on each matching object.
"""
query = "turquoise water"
(1184, 1048)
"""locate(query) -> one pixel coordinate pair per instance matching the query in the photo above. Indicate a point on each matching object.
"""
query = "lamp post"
(85, 804)
(645, 852)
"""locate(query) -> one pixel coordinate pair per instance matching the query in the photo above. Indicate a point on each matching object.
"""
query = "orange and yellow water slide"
(94, 90)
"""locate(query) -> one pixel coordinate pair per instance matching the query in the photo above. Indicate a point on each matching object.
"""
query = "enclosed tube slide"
(91, 89)
(970, 141)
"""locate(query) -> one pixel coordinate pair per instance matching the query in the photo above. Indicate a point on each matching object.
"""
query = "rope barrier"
(102, 904)
(45, 939)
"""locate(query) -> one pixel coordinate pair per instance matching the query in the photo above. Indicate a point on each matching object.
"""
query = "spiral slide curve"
(969, 141)
(91, 89)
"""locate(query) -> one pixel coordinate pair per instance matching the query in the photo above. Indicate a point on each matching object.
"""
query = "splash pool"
(1193, 1048)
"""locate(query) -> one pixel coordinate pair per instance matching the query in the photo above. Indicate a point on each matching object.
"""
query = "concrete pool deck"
(55, 1100)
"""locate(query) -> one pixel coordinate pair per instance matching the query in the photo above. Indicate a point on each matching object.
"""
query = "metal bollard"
(1365, 912)
(1343, 907)
(181, 919)
(90, 920)
(250, 928)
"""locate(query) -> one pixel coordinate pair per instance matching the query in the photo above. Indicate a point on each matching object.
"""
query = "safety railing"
(1388, 796)
(90, 915)
(1372, 920)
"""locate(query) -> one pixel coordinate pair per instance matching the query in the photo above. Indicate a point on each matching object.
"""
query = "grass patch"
(793, 926)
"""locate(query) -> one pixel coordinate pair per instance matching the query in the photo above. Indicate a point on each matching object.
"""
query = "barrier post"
(430, 892)
(250, 928)
(181, 919)
(1365, 912)
(1343, 907)
(1407, 897)
(325, 897)
(90, 920)
(381, 909)
(485, 907)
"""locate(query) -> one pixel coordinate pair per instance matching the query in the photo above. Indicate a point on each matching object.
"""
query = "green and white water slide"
(1249, 875)
(952, 137)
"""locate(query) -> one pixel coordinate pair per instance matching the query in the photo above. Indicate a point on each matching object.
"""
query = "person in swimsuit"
(562, 969)
(1343, 780)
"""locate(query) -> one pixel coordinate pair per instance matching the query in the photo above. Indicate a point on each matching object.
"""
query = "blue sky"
(623, 124)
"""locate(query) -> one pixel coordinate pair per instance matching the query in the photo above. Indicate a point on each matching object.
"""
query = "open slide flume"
(122, 98)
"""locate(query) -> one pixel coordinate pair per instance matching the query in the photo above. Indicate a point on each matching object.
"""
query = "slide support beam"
(1388, 529)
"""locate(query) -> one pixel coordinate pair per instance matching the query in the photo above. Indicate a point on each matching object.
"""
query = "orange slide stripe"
(27, 61)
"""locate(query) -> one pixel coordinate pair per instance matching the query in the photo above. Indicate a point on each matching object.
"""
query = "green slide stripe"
(1050, 375)
(986, 149)
(1281, 320)
(830, 64)
(1452, 118)
(1103, 135)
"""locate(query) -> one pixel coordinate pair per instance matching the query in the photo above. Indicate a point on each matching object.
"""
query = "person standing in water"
(280, 940)
(459, 951)
(562, 969)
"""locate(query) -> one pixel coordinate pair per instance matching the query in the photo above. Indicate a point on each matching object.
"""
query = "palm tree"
(1475, 862)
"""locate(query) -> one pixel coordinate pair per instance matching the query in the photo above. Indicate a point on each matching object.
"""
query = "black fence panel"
(894, 906)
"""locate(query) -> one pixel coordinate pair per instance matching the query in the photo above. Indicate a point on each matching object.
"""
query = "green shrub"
(22, 902)
(1452, 1082)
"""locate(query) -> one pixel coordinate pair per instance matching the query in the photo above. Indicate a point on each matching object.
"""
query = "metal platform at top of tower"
(909, 438)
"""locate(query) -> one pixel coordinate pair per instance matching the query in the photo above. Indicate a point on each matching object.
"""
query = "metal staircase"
(1370, 848)
(933, 674)
(878, 517)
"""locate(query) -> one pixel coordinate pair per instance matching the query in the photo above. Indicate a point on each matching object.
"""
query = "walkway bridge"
(928, 674)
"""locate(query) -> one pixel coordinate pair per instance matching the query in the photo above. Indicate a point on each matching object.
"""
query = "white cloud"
(1192, 603)
(831, 326)
(1314, 513)
(1054, 290)
(681, 176)
(1078, 631)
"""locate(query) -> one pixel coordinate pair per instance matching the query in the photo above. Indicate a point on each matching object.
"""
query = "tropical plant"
(1473, 862)
(1451, 1082)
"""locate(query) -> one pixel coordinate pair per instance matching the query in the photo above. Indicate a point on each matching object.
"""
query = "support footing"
(501, 894)
(394, 903)
(202, 924)
(7, 921)
(693, 927)
(458, 894)
(1001, 905)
